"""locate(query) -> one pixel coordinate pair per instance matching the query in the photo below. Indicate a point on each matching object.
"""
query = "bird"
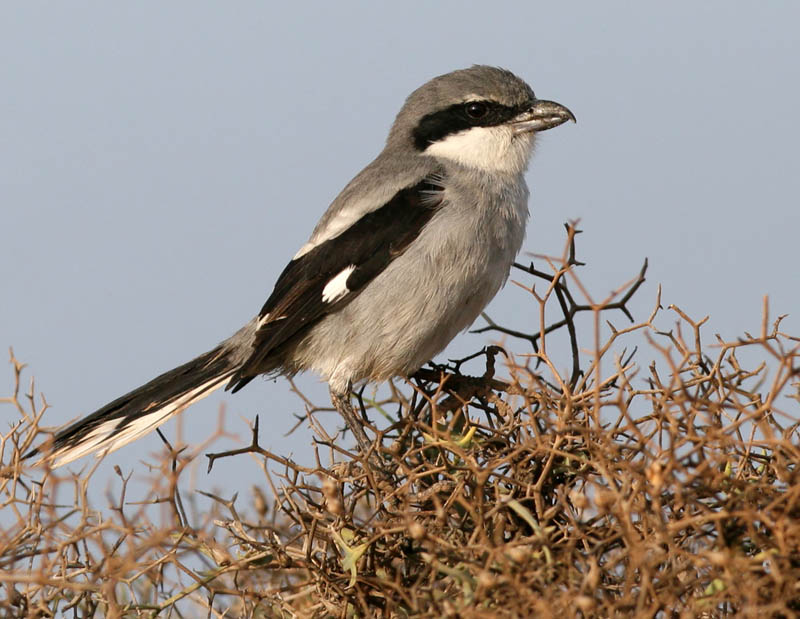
(404, 259)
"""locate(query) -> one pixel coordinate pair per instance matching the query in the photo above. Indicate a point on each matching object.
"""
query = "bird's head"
(484, 118)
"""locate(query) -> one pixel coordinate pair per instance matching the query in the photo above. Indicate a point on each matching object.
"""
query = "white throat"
(489, 149)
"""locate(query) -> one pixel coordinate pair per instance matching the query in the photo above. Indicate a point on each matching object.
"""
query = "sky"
(161, 162)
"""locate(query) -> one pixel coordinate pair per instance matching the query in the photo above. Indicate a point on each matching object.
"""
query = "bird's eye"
(476, 109)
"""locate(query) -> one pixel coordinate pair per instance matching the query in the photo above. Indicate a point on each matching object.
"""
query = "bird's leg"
(341, 402)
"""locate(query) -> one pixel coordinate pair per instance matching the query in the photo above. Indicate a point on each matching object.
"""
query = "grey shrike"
(404, 259)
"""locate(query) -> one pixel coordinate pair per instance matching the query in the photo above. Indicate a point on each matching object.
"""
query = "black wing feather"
(369, 245)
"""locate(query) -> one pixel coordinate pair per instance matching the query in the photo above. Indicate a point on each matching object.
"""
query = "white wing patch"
(109, 436)
(337, 287)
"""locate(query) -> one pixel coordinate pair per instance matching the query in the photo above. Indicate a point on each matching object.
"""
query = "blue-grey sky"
(160, 163)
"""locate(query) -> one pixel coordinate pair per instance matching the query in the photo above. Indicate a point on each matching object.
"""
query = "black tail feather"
(143, 409)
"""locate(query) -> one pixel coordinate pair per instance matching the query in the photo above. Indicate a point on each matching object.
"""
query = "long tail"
(143, 409)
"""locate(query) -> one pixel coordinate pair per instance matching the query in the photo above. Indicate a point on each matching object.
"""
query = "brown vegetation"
(627, 486)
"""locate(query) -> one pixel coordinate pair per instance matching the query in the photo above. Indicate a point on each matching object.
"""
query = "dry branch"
(619, 489)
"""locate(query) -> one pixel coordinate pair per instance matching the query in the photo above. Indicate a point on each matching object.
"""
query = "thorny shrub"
(613, 489)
